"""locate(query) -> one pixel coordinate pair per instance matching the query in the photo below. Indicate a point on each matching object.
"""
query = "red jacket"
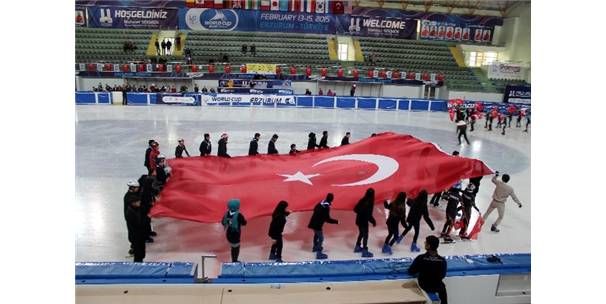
(511, 109)
(152, 158)
(494, 113)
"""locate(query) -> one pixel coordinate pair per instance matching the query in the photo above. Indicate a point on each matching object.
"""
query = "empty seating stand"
(95, 45)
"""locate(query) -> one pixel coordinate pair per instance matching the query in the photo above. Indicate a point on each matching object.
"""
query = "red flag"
(473, 234)
(200, 187)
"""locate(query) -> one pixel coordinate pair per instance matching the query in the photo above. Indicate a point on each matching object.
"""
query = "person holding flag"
(233, 220)
(320, 216)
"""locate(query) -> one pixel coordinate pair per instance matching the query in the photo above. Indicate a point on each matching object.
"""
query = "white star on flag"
(299, 177)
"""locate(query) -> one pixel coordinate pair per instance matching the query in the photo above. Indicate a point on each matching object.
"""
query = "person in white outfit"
(499, 197)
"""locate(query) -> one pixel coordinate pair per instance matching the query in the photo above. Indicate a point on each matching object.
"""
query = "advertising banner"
(376, 26)
(260, 68)
(137, 3)
(517, 94)
(459, 20)
(252, 99)
(505, 71)
(80, 16)
(132, 17)
(434, 30)
(175, 99)
(206, 19)
(257, 84)
(255, 91)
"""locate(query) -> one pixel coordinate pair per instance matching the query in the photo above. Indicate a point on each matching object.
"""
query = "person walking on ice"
(501, 192)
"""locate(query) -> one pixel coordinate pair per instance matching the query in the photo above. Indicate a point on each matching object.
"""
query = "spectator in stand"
(152, 87)
(183, 89)
(173, 89)
(163, 44)
(178, 41)
(157, 45)
(431, 269)
(320, 92)
(244, 49)
(168, 45)
(253, 50)
(212, 90)
(329, 93)
(204, 90)
(307, 92)
(196, 88)
(352, 92)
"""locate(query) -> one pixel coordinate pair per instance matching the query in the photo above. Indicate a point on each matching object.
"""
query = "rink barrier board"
(295, 272)
(302, 101)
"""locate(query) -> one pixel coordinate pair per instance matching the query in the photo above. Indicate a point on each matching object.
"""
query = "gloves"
(520, 205)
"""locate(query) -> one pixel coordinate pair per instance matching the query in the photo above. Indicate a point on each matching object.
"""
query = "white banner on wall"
(253, 99)
(505, 71)
(178, 99)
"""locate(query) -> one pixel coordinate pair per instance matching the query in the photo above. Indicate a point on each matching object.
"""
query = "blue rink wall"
(305, 101)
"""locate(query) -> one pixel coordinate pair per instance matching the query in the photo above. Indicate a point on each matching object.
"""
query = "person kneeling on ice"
(232, 222)
(431, 269)
(397, 215)
(276, 227)
(418, 209)
(320, 216)
(454, 198)
(363, 210)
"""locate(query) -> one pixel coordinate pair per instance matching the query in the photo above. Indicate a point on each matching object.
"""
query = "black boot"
(235, 252)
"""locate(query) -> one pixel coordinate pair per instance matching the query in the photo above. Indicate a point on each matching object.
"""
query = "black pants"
(393, 233)
(504, 126)
(138, 246)
(527, 123)
(462, 130)
(235, 252)
(519, 121)
(448, 224)
(276, 248)
(489, 122)
(318, 239)
(510, 119)
(362, 236)
(441, 291)
(473, 122)
(466, 218)
(435, 199)
(414, 225)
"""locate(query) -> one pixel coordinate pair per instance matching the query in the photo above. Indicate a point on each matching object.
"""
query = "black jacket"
(454, 197)
(364, 213)
(130, 197)
(311, 143)
(417, 210)
(271, 148)
(276, 227)
(179, 151)
(431, 270)
(320, 216)
(223, 148)
(324, 141)
(253, 148)
(205, 147)
(161, 175)
(135, 225)
(293, 151)
(345, 141)
(146, 163)
(395, 217)
(147, 192)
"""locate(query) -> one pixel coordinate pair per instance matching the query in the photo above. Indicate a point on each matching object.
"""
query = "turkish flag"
(200, 187)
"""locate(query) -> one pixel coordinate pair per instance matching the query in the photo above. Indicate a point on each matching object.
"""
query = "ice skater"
(454, 198)
(324, 140)
(222, 151)
(135, 227)
(253, 147)
(153, 158)
(511, 110)
(233, 220)
(311, 143)
(363, 210)
(345, 140)
(417, 210)
(276, 227)
(147, 152)
(527, 120)
(320, 216)
(461, 129)
(162, 172)
(501, 192)
(180, 149)
(397, 216)
(293, 150)
(271, 147)
(468, 200)
(205, 145)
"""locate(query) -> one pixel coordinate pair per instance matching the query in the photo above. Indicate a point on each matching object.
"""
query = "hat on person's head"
(161, 156)
(132, 183)
(181, 140)
(224, 135)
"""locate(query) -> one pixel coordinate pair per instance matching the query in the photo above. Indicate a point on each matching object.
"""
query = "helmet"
(471, 187)
(132, 183)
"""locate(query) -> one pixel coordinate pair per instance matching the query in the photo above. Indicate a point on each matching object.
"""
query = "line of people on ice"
(470, 115)
(142, 194)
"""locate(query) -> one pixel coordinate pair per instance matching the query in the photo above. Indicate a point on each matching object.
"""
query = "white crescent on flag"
(387, 167)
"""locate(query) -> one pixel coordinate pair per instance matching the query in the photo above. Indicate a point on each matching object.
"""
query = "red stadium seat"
(178, 68)
(340, 72)
(243, 68)
(324, 72)
(227, 68)
(211, 68)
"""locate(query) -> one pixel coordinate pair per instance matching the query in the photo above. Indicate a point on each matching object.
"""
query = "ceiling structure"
(475, 7)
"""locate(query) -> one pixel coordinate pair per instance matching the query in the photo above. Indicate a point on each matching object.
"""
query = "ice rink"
(110, 147)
